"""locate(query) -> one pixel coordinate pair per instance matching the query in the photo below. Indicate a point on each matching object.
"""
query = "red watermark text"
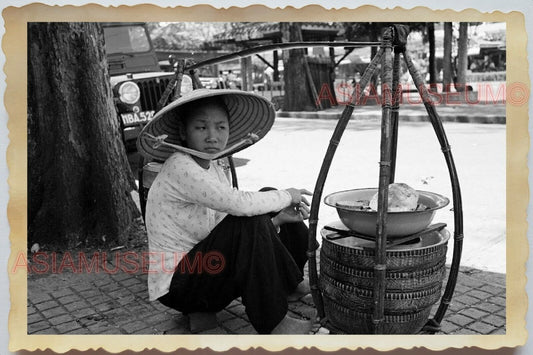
(212, 262)
(516, 94)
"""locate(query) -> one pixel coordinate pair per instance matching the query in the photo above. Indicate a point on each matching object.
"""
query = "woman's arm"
(199, 186)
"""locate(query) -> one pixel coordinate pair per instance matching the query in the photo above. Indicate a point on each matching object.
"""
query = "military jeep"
(137, 80)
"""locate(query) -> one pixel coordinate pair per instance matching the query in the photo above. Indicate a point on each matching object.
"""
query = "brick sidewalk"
(117, 303)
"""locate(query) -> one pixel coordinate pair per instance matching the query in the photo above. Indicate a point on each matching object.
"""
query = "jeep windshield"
(126, 39)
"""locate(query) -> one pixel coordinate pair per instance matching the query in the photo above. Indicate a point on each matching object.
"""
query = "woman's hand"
(297, 196)
(297, 211)
(291, 214)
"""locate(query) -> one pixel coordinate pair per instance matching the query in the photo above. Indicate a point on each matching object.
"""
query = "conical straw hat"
(249, 113)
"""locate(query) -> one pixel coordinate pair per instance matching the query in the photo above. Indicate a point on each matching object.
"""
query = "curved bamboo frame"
(390, 116)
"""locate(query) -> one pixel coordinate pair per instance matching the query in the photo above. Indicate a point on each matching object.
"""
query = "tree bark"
(246, 74)
(432, 66)
(447, 73)
(79, 178)
(298, 96)
(462, 56)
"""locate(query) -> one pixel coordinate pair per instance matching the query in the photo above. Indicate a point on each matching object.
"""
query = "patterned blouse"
(184, 204)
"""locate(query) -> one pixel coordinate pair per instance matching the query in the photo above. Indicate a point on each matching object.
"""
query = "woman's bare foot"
(290, 325)
(301, 290)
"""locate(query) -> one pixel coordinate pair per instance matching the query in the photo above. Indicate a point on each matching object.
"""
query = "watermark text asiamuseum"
(516, 94)
(211, 262)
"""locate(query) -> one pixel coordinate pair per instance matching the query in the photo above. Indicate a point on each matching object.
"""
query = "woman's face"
(207, 129)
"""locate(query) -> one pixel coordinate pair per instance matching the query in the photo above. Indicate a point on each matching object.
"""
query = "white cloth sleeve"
(202, 187)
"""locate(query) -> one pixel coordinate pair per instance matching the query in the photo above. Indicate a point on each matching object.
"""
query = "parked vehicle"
(137, 80)
(212, 82)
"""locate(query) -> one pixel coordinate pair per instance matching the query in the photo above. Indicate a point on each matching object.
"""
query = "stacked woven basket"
(414, 281)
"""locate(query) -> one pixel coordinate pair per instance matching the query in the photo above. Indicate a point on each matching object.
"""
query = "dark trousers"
(242, 257)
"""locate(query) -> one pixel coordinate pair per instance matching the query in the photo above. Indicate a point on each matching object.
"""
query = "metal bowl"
(399, 224)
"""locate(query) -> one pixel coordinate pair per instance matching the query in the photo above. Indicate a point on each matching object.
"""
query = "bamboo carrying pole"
(175, 83)
(380, 259)
(356, 98)
(456, 192)
(196, 83)
(277, 46)
(395, 116)
(231, 163)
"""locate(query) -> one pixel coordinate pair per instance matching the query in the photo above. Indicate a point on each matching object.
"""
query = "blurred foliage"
(186, 35)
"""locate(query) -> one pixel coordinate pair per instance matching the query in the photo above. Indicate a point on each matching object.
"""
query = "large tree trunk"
(298, 96)
(78, 175)
(447, 73)
(462, 56)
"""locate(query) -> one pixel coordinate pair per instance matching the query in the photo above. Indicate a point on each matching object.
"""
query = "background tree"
(462, 56)
(366, 32)
(79, 179)
(298, 96)
(432, 65)
(186, 35)
(447, 72)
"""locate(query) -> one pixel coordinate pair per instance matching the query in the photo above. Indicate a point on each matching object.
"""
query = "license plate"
(132, 118)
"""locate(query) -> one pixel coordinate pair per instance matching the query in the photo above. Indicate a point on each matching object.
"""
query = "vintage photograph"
(312, 178)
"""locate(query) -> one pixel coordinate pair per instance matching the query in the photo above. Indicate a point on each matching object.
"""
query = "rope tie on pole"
(380, 267)
(458, 237)
(446, 149)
